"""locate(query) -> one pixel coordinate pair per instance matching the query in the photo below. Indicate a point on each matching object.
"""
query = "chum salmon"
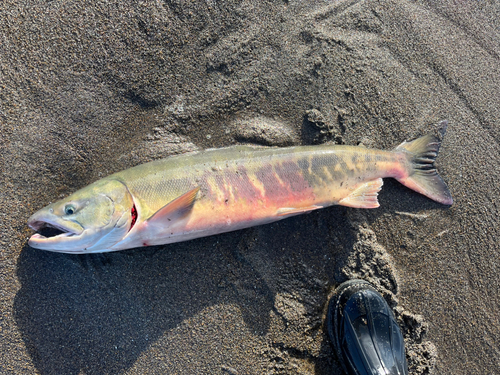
(220, 190)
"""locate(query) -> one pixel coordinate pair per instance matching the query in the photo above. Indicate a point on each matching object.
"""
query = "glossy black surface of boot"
(364, 332)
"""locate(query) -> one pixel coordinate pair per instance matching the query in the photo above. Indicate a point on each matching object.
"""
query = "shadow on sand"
(97, 313)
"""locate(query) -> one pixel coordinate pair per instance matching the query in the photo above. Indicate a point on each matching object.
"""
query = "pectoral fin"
(174, 210)
(290, 211)
(365, 196)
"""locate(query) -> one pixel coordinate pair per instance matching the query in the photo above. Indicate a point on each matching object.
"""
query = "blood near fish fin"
(174, 210)
(365, 196)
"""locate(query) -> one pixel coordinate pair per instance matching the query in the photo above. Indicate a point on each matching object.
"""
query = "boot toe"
(364, 332)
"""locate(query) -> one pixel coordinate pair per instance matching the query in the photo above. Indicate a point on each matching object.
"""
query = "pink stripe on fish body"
(239, 195)
(250, 192)
(241, 187)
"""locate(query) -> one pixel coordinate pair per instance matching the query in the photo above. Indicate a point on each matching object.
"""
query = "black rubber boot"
(364, 332)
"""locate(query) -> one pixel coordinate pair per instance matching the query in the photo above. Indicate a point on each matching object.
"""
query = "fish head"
(90, 220)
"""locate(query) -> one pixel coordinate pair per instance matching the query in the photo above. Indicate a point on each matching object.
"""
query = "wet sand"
(90, 88)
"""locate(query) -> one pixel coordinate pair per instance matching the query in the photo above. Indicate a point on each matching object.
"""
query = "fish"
(183, 197)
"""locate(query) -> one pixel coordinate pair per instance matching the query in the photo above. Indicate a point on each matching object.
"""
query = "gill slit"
(133, 211)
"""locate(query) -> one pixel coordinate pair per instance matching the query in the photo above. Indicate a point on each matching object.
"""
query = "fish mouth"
(50, 232)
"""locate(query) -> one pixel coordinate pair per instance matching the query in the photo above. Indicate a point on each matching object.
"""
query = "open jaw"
(52, 235)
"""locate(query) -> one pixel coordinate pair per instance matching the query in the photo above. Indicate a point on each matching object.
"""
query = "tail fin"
(423, 176)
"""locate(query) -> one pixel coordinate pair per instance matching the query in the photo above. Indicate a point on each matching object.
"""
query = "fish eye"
(69, 209)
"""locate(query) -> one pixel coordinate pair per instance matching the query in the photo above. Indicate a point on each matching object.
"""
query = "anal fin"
(365, 196)
(290, 211)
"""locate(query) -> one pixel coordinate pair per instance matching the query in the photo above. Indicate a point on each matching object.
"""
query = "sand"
(88, 88)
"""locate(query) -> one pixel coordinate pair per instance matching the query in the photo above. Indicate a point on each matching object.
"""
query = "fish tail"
(422, 174)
